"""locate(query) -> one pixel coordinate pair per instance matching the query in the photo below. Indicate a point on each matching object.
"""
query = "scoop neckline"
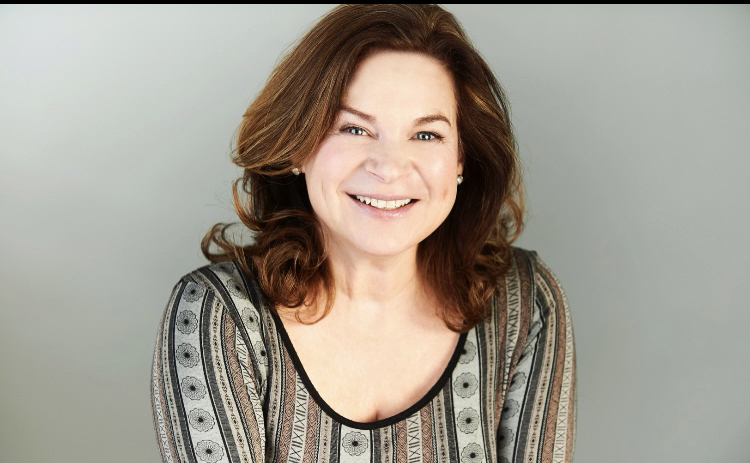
(400, 416)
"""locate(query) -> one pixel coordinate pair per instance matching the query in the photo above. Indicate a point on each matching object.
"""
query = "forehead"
(405, 82)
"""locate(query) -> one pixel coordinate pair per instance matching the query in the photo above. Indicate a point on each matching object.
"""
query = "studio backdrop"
(632, 121)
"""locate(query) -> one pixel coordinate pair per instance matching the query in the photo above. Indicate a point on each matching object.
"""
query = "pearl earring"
(295, 171)
(460, 179)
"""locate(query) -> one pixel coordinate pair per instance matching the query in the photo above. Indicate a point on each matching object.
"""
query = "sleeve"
(205, 397)
(538, 419)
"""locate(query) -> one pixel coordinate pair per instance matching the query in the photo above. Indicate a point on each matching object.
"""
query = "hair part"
(462, 260)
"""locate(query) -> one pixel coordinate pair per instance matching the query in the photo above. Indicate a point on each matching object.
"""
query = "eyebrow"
(418, 121)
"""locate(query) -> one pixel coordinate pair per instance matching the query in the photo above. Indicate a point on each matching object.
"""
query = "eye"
(428, 136)
(353, 130)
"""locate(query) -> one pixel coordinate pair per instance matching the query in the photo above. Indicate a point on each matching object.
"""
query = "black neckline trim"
(373, 424)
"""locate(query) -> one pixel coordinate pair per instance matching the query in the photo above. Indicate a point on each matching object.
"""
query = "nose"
(388, 162)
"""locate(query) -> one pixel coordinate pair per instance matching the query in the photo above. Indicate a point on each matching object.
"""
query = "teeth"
(386, 205)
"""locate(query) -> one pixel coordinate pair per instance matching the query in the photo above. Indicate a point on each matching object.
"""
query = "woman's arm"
(538, 420)
(205, 391)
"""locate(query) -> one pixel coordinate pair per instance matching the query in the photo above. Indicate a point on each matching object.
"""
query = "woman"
(380, 313)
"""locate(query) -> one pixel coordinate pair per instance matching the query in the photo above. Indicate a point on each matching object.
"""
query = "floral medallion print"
(209, 451)
(504, 437)
(468, 420)
(468, 352)
(200, 419)
(236, 288)
(472, 453)
(262, 355)
(193, 292)
(187, 355)
(250, 317)
(466, 385)
(226, 267)
(517, 381)
(186, 322)
(355, 443)
(510, 408)
(193, 388)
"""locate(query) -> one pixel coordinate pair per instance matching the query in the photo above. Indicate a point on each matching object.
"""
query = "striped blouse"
(228, 386)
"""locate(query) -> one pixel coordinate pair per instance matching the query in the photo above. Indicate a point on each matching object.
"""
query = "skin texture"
(380, 148)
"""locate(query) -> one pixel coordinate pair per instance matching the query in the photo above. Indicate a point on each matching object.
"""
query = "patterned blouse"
(228, 385)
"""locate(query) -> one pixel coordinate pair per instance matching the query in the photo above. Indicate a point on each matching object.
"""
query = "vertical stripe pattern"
(227, 385)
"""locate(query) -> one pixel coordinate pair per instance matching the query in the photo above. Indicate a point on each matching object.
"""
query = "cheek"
(331, 158)
(449, 196)
(443, 177)
(325, 171)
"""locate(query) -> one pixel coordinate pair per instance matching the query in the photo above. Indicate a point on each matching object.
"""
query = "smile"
(383, 204)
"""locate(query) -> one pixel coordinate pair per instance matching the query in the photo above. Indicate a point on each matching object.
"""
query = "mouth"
(384, 204)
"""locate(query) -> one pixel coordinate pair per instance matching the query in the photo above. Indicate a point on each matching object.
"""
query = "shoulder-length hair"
(462, 260)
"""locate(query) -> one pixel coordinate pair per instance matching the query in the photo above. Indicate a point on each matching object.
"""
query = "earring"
(295, 171)
(460, 179)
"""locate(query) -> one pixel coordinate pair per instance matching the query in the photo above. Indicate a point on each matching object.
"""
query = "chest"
(371, 377)
(396, 412)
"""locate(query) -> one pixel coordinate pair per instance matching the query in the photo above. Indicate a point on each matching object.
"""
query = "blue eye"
(428, 136)
(353, 130)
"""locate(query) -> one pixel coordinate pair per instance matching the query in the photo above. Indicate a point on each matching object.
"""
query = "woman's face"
(394, 145)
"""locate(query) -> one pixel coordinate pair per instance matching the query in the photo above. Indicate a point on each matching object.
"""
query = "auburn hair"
(462, 260)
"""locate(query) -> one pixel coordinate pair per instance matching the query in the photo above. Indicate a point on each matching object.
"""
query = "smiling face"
(385, 176)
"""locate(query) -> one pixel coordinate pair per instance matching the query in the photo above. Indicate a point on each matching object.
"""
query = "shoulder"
(219, 305)
(547, 291)
(229, 286)
(530, 274)
(223, 291)
(238, 293)
(223, 280)
(527, 260)
(530, 293)
(539, 375)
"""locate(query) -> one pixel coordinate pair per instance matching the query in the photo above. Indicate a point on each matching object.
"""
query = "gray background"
(115, 130)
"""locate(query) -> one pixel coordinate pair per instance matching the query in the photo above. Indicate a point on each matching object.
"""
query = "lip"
(381, 197)
(383, 213)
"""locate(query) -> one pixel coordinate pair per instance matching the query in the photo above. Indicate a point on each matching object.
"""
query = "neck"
(374, 280)
(380, 289)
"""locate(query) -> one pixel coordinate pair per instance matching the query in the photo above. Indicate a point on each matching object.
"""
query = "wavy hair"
(462, 260)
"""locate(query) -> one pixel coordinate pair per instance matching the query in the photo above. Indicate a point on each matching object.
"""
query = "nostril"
(387, 169)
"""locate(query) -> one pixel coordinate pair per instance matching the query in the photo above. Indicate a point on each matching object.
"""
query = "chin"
(385, 248)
